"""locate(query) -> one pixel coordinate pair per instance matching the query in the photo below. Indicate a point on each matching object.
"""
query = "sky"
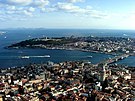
(89, 14)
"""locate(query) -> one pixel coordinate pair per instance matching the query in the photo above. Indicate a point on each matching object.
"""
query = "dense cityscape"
(68, 81)
(72, 80)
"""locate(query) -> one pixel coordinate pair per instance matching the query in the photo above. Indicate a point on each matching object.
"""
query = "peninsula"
(110, 45)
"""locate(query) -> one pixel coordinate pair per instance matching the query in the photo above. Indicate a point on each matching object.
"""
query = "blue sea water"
(10, 58)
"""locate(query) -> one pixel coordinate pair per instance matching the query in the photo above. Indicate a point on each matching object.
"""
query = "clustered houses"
(105, 45)
(67, 81)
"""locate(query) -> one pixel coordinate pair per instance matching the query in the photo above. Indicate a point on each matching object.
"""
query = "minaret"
(103, 73)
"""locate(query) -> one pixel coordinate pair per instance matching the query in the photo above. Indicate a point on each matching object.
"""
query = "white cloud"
(69, 7)
(10, 12)
(73, 1)
(28, 8)
(27, 13)
(87, 11)
(40, 3)
(11, 8)
(31, 9)
(16, 2)
(22, 7)
(14, 11)
(48, 9)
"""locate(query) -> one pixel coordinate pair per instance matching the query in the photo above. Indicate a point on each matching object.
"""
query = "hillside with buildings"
(111, 45)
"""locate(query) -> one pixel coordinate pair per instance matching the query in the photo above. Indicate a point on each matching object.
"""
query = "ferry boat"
(47, 56)
(25, 57)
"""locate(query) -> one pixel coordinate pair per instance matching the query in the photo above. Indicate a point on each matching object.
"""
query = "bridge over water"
(114, 59)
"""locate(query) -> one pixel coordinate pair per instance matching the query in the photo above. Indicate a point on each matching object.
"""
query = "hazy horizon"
(17, 28)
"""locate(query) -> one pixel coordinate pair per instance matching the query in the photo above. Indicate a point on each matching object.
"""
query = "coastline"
(83, 50)
(69, 49)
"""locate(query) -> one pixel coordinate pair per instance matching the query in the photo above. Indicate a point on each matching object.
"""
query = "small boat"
(2, 32)
(25, 57)
(89, 56)
(125, 34)
(29, 36)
